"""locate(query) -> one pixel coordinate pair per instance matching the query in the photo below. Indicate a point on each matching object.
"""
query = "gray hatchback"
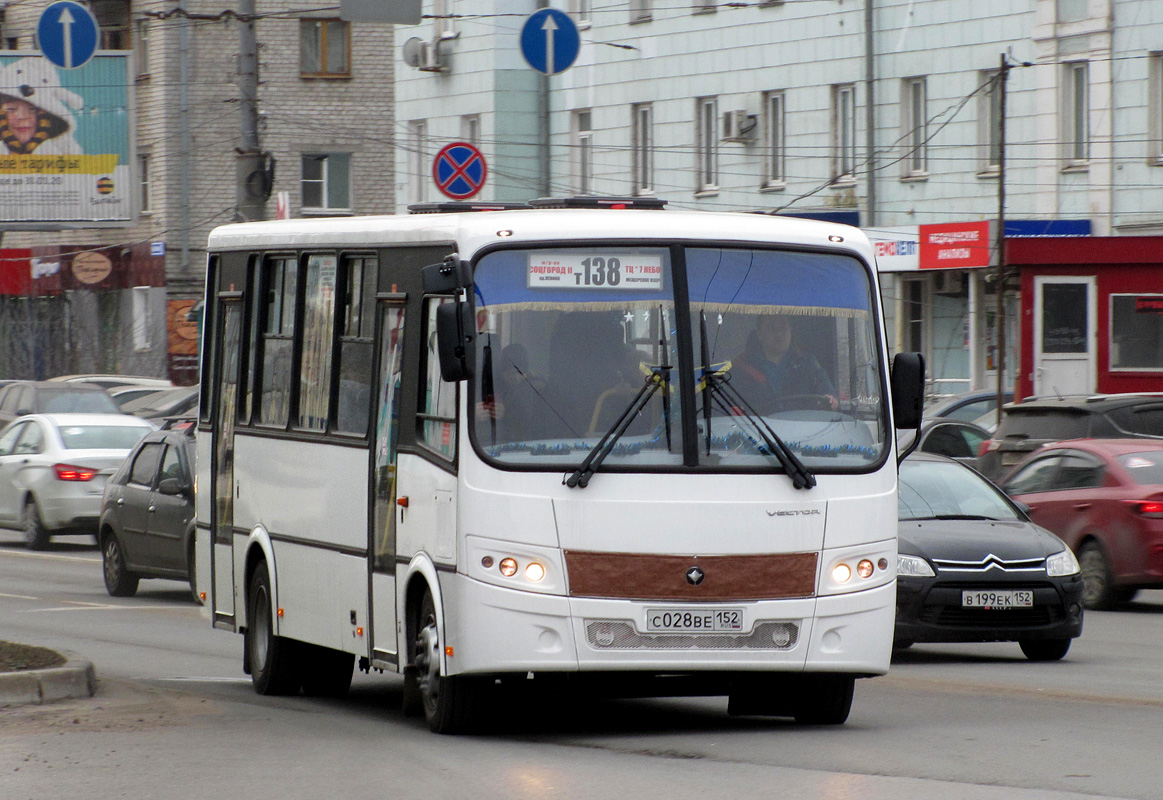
(147, 514)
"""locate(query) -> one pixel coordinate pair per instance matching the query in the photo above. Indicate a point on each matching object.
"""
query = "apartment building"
(111, 291)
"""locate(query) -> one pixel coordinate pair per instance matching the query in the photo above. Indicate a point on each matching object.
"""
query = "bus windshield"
(573, 340)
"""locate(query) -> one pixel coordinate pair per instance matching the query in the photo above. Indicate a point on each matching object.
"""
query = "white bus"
(626, 449)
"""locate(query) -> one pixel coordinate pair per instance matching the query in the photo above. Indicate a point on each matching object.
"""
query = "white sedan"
(53, 469)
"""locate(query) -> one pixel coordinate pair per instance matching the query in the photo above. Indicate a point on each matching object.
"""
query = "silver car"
(53, 469)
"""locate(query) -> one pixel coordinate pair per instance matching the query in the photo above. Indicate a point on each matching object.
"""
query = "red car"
(1104, 498)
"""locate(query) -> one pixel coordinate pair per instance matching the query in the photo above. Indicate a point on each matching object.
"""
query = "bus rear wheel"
(273, 660)
(450, 702)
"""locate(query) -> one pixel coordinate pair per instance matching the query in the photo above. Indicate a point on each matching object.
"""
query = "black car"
(1032, 423)
(147, 514)
(947, 437)
(50, 397)
(971, 567)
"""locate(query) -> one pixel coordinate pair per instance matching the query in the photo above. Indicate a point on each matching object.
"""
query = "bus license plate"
(694, 620)
(999, 600)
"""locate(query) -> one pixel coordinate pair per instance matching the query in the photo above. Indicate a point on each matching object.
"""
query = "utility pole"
(252, 181)
(1000, 234)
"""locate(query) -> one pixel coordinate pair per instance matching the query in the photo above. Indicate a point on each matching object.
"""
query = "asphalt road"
(175, 717)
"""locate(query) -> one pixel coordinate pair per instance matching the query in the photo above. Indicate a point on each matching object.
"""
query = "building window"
(1155, 110)
(145, 177)
(707, 144)
(1076, 113)
(470, 129)
(326, 182)
(418, 166)
(324, 48)
(142, 46)
(642, 135)
(582, 11)
(774, 155)
(1136, 334)
(989, 119)
(640, 11)
(141, 319)
(113, 19)
(844, 132)
(914, 127)
(1073, 10)
(583, 148)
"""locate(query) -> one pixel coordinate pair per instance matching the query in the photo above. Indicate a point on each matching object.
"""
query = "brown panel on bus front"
(637, 576)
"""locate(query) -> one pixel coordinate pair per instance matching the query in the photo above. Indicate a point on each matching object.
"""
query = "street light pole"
(1000, 234)
(252, 187)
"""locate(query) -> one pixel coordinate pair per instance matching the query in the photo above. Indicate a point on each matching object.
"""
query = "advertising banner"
(65, 140)
(956, 245)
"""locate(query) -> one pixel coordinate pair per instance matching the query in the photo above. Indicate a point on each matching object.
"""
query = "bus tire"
(450, 702)
(273, 660)
(826, 699)
(326, 672)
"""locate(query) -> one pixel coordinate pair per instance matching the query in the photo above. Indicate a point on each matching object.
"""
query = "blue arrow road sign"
(550, 41)
(67, 34)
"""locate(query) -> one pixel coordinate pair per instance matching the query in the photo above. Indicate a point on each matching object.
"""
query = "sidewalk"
(75, 678)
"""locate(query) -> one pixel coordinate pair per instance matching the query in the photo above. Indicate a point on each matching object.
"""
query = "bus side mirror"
(447, 276)
(454, 332)
(908, 389)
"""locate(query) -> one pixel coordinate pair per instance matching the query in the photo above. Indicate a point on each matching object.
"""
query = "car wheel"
(826, 700)
(1045, 649)
(119, 581)
(450, 702)
(326, 672)
(1098, 590)
(273, 660)
(35, 536)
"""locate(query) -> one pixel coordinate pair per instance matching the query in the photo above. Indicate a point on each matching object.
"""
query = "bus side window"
(436, 420)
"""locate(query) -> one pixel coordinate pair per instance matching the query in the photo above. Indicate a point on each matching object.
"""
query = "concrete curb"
(76, 678)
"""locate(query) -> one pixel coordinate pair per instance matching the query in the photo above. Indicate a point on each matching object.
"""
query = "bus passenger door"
(222, 553)
(383, 476)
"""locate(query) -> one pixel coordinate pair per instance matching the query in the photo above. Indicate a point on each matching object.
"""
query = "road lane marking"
(19, 596)
(97, 607)
(51, 556)
(194, 679)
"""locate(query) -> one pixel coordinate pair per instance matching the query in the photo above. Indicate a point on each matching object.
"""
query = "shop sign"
(956, 245)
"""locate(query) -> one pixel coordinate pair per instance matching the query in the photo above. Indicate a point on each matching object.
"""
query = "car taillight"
(1148, 508)
(67, 472)
(988, 446)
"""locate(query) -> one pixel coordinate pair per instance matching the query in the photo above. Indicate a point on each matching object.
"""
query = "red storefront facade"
(1091, 318)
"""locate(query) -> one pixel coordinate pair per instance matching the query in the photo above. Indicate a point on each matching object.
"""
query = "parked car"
(47, 397)
(125, 394)
(115, 381)
(972, 567)
(53, 469)
(947, 437)
(967, 407)
(174, 402)
(1104, 497)
(147, 514)
(1030, 424)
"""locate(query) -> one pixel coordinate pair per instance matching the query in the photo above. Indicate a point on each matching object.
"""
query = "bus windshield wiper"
(717, 388)
(659, 378)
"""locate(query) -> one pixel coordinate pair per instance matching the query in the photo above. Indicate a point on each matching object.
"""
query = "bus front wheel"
(450, 702)
(273, 660)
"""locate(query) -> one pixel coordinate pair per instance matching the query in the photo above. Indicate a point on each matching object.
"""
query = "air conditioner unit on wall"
(430, 57)
(738, 126)
(948, 282)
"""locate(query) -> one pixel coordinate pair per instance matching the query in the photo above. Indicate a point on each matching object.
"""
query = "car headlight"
(1061, 564)
(915, 566)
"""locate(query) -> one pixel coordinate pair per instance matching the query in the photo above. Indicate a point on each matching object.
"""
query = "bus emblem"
(694, 576)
